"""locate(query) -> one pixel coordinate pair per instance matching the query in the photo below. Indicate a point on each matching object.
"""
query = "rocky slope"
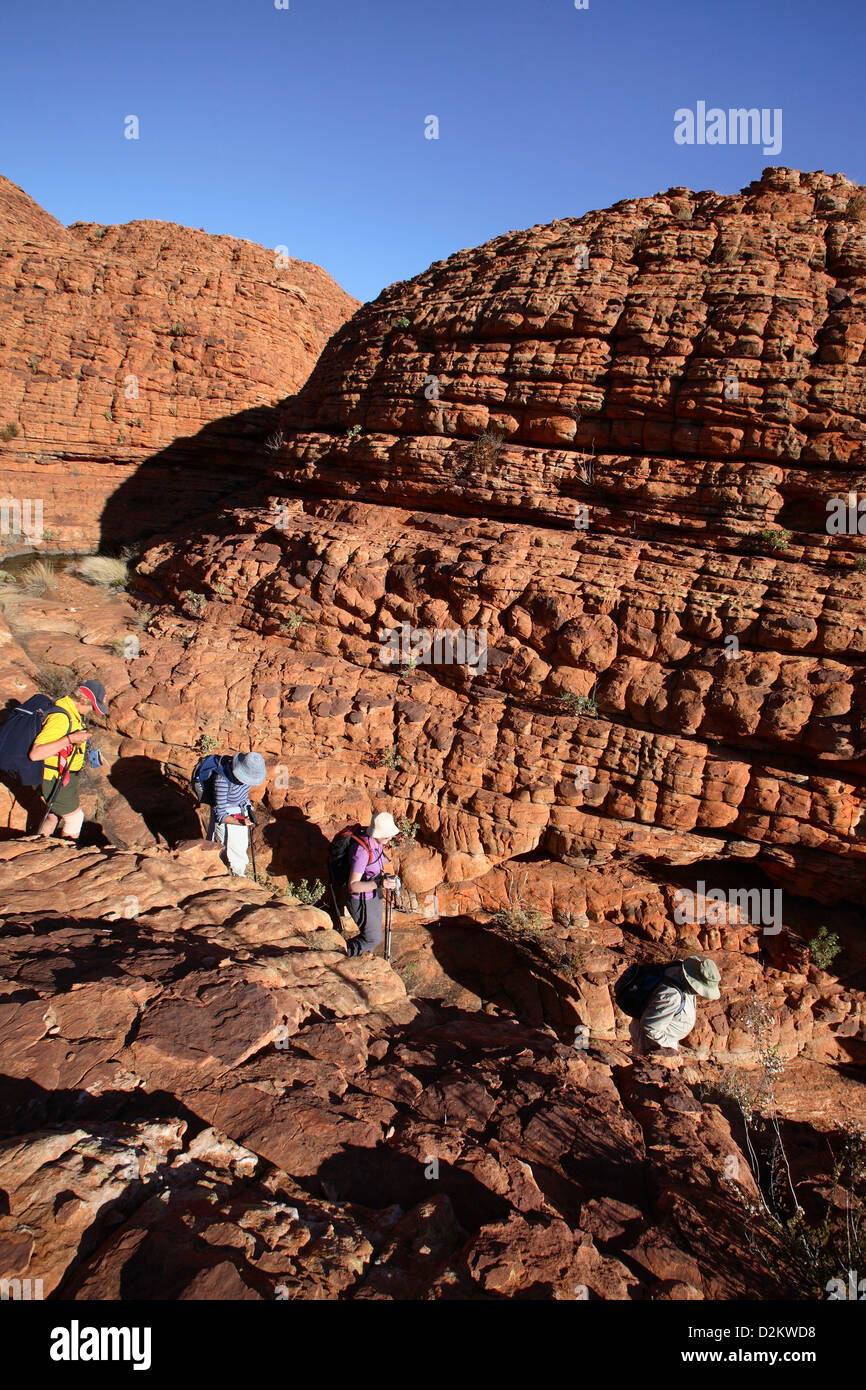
(214, 1102)
(133, 360)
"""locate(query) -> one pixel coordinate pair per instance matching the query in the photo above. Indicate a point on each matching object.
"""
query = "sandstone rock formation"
(119, 346)
(697, 649)
(671, 702)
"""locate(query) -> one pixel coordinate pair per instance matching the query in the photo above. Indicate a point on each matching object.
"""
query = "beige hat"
(703, 976)
(383, 827)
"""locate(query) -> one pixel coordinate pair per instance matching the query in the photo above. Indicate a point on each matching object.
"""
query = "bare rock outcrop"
(207, 1099)
(125, 353)
(693, 652)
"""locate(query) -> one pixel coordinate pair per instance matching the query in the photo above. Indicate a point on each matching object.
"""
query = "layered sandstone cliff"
(132, 363)
(689, 371)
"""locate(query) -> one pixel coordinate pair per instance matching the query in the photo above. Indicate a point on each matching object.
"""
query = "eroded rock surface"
(207, 1099)
(671, 703)
(125, 351)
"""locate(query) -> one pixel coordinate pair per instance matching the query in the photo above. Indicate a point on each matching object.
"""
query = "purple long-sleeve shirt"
(362, 864)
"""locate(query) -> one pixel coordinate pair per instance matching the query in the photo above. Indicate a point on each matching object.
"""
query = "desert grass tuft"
(108, 571)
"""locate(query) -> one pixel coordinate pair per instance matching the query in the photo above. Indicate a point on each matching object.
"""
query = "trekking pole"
(251, 837)
(338, 916)
(49, 803)
(388, 910)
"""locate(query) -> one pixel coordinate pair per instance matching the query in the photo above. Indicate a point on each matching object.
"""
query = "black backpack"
(636, 985)
(19, 732)
(341, 853)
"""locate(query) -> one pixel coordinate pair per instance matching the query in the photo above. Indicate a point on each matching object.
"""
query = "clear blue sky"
(305, 127)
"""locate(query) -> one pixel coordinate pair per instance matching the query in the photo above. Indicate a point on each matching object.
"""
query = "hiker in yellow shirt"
(61, 747)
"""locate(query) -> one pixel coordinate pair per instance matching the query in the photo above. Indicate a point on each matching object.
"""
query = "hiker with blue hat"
(231, 808)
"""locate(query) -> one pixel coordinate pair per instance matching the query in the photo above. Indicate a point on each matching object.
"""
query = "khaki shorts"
(66, 800)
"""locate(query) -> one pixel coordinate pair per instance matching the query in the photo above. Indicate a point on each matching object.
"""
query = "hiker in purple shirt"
(366, 864)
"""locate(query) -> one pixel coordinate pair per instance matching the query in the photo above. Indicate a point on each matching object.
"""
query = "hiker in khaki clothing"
(672, 1010)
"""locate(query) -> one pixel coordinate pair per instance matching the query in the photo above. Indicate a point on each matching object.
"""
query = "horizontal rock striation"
(689, 370)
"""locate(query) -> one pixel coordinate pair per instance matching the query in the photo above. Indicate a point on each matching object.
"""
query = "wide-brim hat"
(703, 976)
(384, 826)
(249, 769)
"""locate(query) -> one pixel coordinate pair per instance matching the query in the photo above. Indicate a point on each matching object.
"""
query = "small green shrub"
(408, 974)
(353, 432)
(860, 564)
(408, 829)
(824, 948)
(177, 329)
(194, 603)
(579, 704)
(402, 322)
(518, 916)
(520, 919)
(10, 431)
(303, 892)
(292, 623)
(777, 538)
(206, 744)
(391, 759)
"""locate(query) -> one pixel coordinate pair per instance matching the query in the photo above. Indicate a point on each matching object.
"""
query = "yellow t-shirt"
(55, 726)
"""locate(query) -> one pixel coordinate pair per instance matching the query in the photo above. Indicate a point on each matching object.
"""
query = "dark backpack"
(636, 985)
(19, 732)
(341, 853)
(202, 780)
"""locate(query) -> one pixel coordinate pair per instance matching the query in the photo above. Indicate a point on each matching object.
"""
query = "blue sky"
(305, 127)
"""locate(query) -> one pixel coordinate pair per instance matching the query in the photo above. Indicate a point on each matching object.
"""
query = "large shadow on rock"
(192, 479)
(383, 1177)
(515, 975)
(30, 800)
(165, 809)
(298, 847)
